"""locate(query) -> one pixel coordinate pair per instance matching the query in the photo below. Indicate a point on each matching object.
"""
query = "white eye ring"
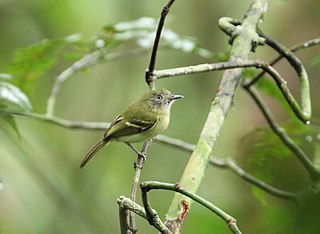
(159, 97)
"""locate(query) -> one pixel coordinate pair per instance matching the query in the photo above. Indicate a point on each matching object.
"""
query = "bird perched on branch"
(143, 119)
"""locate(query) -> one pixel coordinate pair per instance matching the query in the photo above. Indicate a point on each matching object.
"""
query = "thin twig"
(230, 164)
(59, 121)
(303, 45)
(299, 68)
(152, 216)
(149, 72)
(138, 165)
(296, 150)
(177, 143)
(303, 112)
(87, 61)
(128, 204)
(153, 185)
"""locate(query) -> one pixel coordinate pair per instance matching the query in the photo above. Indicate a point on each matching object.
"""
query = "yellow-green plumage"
(142, 120)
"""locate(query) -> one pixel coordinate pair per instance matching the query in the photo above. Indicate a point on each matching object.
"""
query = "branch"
(296, 150)
(138, 165)
(166, 140)
(128, 204)
(302, 74)
(149, 72)
(152, 215)
(152, 185)
(59, 121)
(303, 45)
(302, 113)
(231, 165)
(87, 61)
(196, 167)
(177, 143)
(125, 205)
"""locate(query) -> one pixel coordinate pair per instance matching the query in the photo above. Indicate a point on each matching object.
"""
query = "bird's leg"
(143, 155)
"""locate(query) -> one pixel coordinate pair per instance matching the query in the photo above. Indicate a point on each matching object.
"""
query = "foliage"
(32, 63)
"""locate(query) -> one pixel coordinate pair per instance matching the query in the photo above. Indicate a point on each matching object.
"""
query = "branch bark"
(196, 167)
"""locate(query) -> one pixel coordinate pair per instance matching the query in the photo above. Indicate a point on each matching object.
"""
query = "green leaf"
(260, 195)
(222, 56)
(31, 63)
(12, 95)
(8, 118)
(143, 30)
(268, 158)
(270, 88)
(315, 61)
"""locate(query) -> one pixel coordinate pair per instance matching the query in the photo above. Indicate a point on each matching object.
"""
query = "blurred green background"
(45, 191)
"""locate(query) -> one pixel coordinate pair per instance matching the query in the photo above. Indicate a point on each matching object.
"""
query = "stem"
(230, 164)
(150, 70)
(152, 185)
(152, 215)
(88, 60)
(128, 204)
(296, 150)
(59, 121)
(300, 69)
(138, 165)
(177, 143)
(303, 45)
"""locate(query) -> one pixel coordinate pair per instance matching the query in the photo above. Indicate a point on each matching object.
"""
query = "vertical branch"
(138, 165)
(196, 167)
(123, 215)
(149, 73)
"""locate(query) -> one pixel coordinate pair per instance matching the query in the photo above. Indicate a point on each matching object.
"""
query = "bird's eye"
(159, 97)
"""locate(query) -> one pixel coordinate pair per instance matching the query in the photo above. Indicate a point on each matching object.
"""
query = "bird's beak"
(175, 97)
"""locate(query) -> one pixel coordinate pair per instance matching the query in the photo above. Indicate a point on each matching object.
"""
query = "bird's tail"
(93, 151)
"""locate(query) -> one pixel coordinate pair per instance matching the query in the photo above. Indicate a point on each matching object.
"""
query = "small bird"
(143, 119)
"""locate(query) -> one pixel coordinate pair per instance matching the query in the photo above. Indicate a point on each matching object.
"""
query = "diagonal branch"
(152, 215)
(153, 185)
(196, 167)
(301, 71)
(230, 164)
(296, 150)
(87, 61)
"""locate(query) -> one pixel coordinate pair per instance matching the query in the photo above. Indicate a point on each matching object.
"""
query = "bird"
(142, 120)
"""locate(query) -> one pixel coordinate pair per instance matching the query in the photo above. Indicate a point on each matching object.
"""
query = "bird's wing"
(122, 127)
